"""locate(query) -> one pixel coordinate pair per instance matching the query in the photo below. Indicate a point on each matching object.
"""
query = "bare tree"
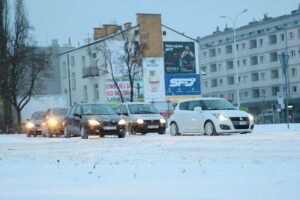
(129, 59)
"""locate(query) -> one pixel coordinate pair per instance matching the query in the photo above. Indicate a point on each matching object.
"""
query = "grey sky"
(62, 19)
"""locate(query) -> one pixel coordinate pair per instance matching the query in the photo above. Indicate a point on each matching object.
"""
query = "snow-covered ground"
(264, 165)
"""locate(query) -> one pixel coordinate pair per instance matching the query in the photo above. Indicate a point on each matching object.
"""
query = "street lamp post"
(284, 59)
(233, 20)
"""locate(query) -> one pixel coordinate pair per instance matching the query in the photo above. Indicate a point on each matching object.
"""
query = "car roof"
(138, 102)
(200, 98)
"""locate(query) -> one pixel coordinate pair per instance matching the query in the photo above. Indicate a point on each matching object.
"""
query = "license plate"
(243, 123)
(153, 126)
(110, 128)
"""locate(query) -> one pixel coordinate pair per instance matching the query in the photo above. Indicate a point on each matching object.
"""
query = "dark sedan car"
(94, 119)
(53, 122)
(33, 125)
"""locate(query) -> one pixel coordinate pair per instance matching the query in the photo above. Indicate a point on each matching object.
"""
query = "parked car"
(53, 122)
(93, 119)
(209, 116)
(33, 124)
(142, 118)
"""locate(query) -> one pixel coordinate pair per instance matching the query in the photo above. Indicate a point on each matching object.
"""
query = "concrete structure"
(260, 74)
(85, 71)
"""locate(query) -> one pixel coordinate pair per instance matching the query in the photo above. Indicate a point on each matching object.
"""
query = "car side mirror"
(77, 115)
(198, 109)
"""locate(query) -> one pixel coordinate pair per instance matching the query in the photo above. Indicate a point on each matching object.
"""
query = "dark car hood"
(109, 118)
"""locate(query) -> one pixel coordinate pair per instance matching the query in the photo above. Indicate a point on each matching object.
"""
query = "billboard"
(182, 84)
(154, 79)
(112, 92)
(179, 57)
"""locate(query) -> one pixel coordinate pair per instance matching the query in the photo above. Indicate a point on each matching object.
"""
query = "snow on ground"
(262, 165)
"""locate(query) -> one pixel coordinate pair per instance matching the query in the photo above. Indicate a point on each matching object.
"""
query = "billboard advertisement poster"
(182, 84)
(154, 79)
(112, 92)
(179, 57)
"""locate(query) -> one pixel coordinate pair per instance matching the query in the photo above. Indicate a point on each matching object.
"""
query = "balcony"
(90, 72)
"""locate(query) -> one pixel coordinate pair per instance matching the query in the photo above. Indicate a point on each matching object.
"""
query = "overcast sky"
(61, 19)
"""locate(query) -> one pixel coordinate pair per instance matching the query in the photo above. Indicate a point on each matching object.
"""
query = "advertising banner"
(179, 57)
(182, 84)
(112, 92)
(154, 79)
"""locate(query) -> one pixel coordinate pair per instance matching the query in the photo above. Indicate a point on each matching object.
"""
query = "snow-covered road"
(262, 165)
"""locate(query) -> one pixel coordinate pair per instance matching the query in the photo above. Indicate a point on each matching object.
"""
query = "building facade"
(260, 75)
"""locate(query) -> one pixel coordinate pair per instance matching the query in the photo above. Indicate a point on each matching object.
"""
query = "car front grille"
(240, 122)
(109, 123)
(148, 122)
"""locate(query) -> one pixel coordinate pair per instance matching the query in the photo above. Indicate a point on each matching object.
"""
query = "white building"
(261, 76)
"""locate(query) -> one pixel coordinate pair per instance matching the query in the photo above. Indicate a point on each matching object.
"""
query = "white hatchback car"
(209, 116)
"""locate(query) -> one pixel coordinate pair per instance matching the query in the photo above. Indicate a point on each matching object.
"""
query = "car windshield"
(97, 109)
(142, 109)
(217, 104)
(37, 115)
(59, 111)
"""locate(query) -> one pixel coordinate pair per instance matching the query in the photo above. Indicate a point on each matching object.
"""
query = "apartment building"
(260, 75)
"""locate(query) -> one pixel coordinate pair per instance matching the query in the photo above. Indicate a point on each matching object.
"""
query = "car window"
(118, 109)
(183, 106)
(37, 115)
(97, 109)
(194, 104)
(125, 110)
(78, 110)
(142, 109)
(217, 104)
(59, 111)
(72, 111)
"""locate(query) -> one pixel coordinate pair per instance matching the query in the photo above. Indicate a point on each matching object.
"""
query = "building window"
(230, 80)
(254, 77)
(85, 94)
(261, 59)
(213, 68)
(237, 47)
(274, 91)
(255, 93)
(245, 79)
(282, 37)
(291, 35)
(293, 53)
(253, 60)
(204, 54)
(294, 89)
(243, 45)
(72, 61)
(228, 49)
(244, 62)
(274, 74)
(83, 61)
(73, 81)
(64, 69)
(221, 82)
(219, 51)
(263, 93)
(238, 63)
(272, 39)
(246, 94)
(206, 83)
(212, 52)
(263, 76)
(252, 44)
(229, 65)
(260, 42)
(214, 83)
(273, 57)
(293, 72)
(204, 69)
(96, 92)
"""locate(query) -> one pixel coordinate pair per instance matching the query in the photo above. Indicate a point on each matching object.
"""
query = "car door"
(183, 117)
(196, 117)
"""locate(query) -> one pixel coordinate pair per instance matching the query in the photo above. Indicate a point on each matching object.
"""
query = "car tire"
(209, 128)
(66, 133)
(83, 133)
(174, 131)
(122, 134)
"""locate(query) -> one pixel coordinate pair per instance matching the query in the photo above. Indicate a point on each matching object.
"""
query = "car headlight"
(93, 122)
(122, 122)
(52, 122)
(140, 121)
(220, 117)
(251, 118)
(29, 125)
(162, 121)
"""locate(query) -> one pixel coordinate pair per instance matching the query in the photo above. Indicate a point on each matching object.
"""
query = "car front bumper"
(234, 126)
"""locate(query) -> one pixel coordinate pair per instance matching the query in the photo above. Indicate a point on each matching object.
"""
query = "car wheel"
(174, 131)
(83, 133)
(209, 128)
(66, 133)
(122, 134)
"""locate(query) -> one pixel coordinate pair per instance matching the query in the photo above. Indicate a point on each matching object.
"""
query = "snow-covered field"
(264, 165)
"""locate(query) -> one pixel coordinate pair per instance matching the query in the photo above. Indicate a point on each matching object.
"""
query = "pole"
(236, 66)
(69, 80)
